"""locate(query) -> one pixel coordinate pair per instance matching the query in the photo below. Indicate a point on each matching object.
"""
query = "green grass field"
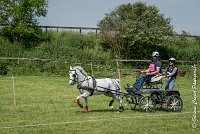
(47, 105)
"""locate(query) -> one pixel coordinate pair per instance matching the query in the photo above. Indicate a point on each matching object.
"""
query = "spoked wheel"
(174, 103)
(158, 100)
(129, 101)
(147, 104)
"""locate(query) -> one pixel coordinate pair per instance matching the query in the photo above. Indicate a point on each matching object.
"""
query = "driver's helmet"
(155, 54)
(172, 59)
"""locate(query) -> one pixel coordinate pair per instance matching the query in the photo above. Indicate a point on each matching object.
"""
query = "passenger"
(171, 73)
(154, 69)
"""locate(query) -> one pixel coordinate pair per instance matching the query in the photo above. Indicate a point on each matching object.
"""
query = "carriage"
(152, 97)
(149, 98)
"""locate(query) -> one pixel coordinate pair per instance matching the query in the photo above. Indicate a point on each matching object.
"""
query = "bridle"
(75, 76)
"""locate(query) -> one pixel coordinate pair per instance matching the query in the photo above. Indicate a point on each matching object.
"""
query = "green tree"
(133, 30)
(19, 19)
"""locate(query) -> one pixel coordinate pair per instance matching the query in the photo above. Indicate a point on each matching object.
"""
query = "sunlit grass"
(47, 105)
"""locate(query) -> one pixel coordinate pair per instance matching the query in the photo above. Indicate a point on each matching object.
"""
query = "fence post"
(118, 71)
(46, 29)
(96, 32)
(57, 29)
(14, 94)
(91, 67)
(18, 61)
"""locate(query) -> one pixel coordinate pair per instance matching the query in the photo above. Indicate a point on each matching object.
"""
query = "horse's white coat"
(107, 86)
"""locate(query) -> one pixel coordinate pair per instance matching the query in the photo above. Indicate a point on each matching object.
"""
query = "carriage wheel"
(174, 103)
(158, 100)
(129, 101)
(146, 104)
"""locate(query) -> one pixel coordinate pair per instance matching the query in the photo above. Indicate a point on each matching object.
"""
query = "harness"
(117, 91)
(93, 87)
(88, 87)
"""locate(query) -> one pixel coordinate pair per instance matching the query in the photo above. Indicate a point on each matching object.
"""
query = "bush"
(184, 48)
(68, 48)
(3, 69)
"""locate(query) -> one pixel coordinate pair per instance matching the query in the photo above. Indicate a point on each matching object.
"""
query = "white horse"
(89, 86)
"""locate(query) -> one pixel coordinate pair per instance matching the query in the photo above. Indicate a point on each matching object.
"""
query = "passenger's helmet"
(172, 59)
(155, 54)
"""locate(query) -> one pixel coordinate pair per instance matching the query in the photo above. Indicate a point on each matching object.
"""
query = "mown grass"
(47, 105)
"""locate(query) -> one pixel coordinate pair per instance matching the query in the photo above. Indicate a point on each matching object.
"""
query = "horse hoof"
(86, 109)
(111, 107)
(121, 109)
(81, 105)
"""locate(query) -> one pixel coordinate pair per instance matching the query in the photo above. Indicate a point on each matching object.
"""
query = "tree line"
(130, 31)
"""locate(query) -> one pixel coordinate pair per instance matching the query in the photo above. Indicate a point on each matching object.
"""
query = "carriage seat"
(155, 80)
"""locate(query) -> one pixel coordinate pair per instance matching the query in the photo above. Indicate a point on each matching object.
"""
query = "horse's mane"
(81, 69)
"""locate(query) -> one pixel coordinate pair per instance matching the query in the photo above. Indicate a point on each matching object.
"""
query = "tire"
(130, 101)
(174, 103)
(147, 104)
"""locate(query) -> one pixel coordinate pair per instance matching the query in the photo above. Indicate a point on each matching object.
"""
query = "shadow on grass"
(116, 110)
(103, 110)
(98, 111)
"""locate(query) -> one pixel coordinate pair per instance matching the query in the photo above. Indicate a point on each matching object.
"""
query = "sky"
(184, 14)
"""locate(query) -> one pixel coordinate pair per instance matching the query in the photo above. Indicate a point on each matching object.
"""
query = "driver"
(154, 69)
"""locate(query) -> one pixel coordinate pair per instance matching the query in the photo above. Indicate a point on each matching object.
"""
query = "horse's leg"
(121, 103)
(84, 95)
(78, 100)
(111, 103)
(86, 104)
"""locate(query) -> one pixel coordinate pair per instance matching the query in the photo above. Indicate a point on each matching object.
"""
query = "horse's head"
(76, 74)
(72, 76)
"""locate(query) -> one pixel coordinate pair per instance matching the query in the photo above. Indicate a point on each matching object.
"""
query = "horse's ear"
(70, 67)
